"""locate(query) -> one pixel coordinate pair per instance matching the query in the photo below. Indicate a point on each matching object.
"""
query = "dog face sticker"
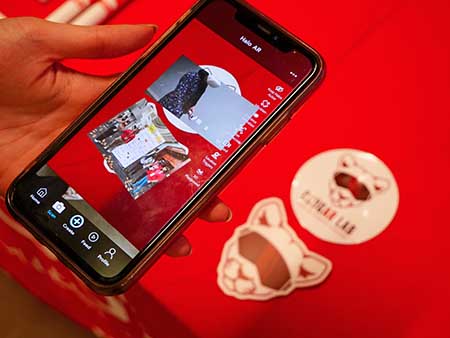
(353, 185)
(265, 259)
(344, 196)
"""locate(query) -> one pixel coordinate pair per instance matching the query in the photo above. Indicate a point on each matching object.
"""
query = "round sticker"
(345, 196)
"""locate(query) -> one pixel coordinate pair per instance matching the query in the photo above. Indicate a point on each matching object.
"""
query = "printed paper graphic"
(204, 100)
(138, 148)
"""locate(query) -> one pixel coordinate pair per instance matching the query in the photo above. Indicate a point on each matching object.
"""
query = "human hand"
(40, 97)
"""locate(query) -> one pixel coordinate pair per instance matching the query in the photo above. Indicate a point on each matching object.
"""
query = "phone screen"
(111, 189)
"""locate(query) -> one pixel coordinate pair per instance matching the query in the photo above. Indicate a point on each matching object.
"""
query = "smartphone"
(117, 187)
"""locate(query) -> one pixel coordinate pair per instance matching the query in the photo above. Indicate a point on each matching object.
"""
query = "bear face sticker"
(265, 259)
(345, 196)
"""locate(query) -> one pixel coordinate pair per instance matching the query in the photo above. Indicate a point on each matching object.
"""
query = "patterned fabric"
(188, 92)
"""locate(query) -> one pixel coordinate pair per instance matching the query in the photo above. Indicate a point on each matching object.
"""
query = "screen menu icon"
(59, 207)
(42, 192)
(76, 221)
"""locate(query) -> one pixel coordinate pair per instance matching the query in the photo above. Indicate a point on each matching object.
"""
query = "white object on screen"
(144, 142)
(98, 12)
(2, 16)
(68, 10)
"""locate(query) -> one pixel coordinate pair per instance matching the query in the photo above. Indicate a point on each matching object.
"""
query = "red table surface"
(386, 92)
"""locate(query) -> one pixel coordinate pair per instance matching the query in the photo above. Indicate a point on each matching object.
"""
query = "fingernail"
(185, 250)
(230, 216)
(154, 27)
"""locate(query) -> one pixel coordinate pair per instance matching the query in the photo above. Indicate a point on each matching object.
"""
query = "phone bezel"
(187, 214)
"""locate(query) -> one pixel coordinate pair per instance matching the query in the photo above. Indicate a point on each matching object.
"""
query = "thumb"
(70, 41)
(85, 87)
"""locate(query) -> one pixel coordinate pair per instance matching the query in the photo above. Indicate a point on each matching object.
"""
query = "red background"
(385, 92)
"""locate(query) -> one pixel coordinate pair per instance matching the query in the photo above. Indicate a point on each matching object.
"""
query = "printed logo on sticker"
(345, 196)
(265, 259)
